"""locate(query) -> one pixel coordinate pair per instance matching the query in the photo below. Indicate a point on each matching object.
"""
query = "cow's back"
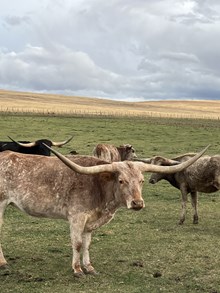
(201, 174)
(107, 152)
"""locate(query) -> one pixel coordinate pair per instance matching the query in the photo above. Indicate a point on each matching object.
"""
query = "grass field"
(58, 104)
(137, 252)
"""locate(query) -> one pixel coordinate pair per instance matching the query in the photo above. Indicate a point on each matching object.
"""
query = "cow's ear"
(107, 176)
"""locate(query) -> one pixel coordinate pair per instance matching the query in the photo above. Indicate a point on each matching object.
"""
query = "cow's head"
(128, 184)
(127, 152)
(160, 161)
(127, 175)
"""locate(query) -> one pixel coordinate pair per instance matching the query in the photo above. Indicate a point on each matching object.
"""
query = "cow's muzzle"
(152, 181)
(137, 204)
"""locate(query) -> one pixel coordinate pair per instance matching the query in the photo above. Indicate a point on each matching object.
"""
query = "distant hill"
(11, 101)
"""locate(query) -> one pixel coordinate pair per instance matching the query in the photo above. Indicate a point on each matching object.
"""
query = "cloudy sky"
(118, 49)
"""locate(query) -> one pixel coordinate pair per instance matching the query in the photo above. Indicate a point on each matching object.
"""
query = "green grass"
(144, 251)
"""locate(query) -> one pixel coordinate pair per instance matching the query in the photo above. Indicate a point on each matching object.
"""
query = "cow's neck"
(172, 180)
(109, 200)
(121, 153)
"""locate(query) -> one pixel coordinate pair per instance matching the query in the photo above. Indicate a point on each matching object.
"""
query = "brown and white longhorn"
(83, 190)
(111, 153)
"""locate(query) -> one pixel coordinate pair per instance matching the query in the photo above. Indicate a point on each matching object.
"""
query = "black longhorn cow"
(26, 147)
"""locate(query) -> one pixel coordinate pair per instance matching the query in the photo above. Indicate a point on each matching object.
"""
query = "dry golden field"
(46, 103)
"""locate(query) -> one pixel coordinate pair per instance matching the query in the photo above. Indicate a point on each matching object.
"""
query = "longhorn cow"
(27, 147)
(202, 176)
(111, 153)
(84, 190)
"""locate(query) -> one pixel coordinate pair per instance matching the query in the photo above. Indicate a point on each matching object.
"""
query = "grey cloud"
(148, 65)
(13, 20)
(179, 56)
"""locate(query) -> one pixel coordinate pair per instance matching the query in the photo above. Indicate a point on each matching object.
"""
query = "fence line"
(98, 113)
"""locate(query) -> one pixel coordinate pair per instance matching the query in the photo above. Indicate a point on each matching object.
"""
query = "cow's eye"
(121, 181)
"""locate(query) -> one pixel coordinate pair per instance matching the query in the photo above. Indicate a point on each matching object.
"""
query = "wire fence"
(107, 114)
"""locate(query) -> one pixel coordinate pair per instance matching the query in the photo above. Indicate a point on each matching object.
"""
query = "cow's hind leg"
(194, 200)
(183, 203)
(3, 262)
(87, 266)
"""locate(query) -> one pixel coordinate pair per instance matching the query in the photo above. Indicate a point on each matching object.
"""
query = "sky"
(118, 49)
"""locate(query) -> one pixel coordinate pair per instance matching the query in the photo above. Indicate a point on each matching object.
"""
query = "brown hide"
(111, 153)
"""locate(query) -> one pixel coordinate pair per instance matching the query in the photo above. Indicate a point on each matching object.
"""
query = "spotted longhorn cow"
(84, 190)
(202, 176)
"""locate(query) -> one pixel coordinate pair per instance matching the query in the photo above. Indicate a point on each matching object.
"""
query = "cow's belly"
(208, 189)
(39, 209)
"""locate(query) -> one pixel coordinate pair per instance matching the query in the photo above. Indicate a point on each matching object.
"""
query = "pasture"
(26, 102)
(137, 252)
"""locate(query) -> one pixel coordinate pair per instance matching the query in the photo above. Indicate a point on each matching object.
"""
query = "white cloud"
(119, 49)
(56, 69)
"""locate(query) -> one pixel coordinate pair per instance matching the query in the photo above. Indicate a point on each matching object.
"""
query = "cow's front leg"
(183, 204)
(87, 266)
(76, 231)
(3, 262)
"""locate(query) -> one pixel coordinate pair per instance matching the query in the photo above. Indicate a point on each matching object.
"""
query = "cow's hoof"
(79, 274)
(5, 270)
(195, 220)
(93, 272)
(4, 267)
(89, 270)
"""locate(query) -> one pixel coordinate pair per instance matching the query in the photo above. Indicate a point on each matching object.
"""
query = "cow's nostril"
(137, 204)
(133, 203)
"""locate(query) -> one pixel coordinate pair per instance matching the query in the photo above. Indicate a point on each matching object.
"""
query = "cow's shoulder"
(9, 155)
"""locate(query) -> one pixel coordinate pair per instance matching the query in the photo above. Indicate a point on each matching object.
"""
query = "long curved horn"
(156, 159)
(27, 145)
(113, 167)
(169, 169)
(145, 160)
(60, 144)
(184, 155)
(81, 169)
